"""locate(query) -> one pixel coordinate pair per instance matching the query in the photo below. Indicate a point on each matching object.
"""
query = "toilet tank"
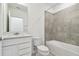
(36, 41)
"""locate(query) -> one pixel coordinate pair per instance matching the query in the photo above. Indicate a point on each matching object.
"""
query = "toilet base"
(42, 54)
(38, 54)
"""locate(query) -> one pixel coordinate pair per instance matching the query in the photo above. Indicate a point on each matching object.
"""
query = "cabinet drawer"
(24, 45)
(10, 51)
(24, 51)
(8, 42)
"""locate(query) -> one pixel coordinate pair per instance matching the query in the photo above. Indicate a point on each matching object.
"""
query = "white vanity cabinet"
(18, 46)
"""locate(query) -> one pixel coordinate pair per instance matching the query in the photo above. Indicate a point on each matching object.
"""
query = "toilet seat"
(42, 48)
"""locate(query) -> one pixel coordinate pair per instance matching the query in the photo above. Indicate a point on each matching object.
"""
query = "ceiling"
(50, 5)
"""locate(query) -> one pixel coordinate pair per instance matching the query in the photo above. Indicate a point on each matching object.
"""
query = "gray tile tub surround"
(48, 25)
(63, 26)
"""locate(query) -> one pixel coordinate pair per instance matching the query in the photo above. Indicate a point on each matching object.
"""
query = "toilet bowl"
(41, 50)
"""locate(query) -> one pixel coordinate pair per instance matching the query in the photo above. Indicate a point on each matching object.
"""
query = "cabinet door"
(10, 51)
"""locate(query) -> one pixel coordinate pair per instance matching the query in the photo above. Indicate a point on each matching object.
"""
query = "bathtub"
(58, 48)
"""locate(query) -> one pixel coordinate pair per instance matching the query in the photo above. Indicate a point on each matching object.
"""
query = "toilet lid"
(43, 48)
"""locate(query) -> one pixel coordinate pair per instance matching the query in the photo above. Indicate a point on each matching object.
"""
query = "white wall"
(36, 19)
(0, 18)
(0, 31)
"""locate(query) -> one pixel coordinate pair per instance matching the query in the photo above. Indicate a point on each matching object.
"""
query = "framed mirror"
(16, 18)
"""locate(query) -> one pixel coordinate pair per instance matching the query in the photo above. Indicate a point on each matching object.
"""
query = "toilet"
(41, 50)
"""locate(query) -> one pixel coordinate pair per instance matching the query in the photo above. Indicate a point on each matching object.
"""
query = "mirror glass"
(16, 23)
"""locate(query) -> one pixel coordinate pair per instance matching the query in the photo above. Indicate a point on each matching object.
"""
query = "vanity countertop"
(11, 35)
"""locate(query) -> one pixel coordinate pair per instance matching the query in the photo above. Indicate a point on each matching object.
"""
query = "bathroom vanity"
(14, 19)
(17, 45)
